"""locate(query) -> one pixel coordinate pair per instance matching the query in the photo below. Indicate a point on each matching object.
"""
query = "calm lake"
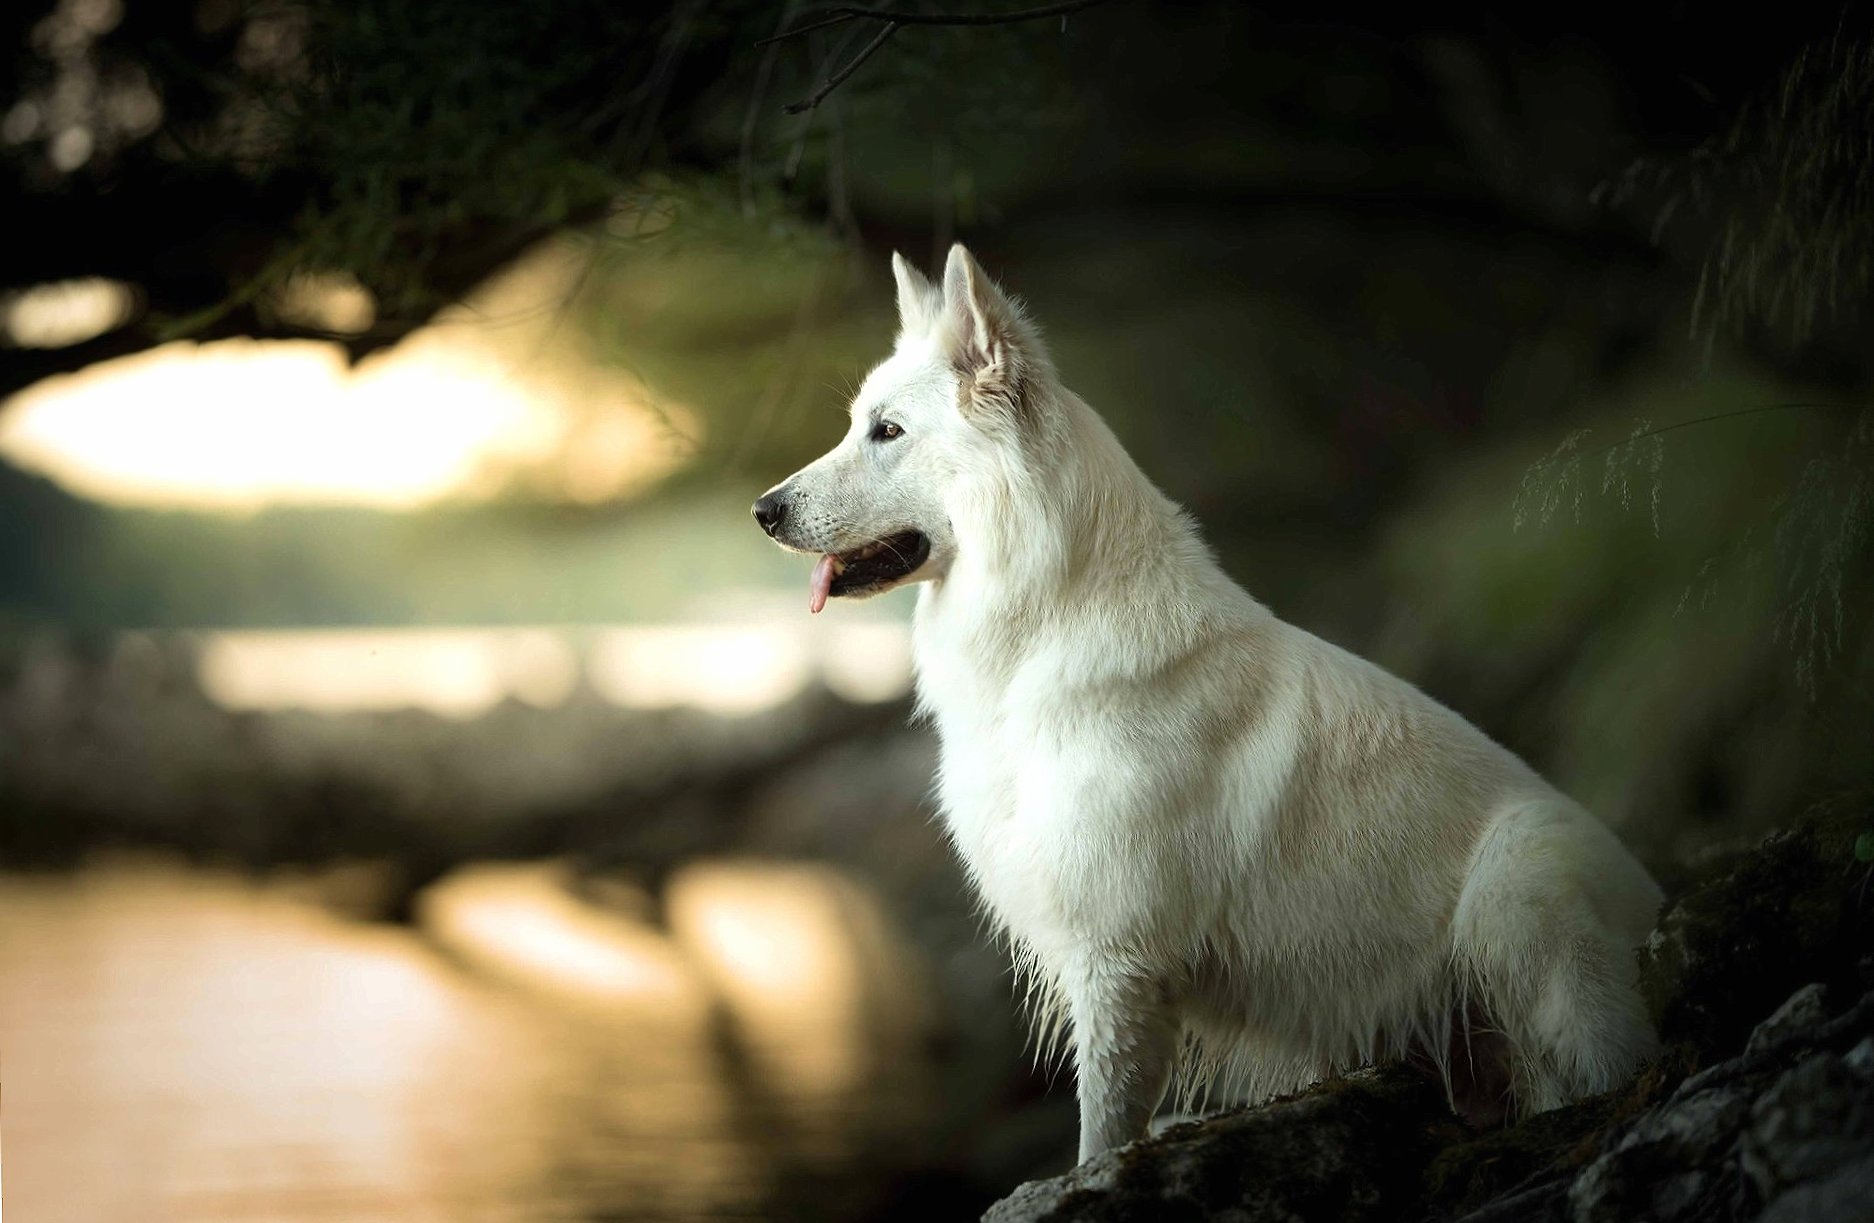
(181, 1044)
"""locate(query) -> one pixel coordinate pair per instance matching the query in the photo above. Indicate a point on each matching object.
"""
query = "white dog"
(1207, 834)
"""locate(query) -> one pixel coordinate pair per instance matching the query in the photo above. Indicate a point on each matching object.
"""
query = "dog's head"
(947, 402)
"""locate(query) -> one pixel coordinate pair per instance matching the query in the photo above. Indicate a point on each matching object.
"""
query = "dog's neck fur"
(1028, 565)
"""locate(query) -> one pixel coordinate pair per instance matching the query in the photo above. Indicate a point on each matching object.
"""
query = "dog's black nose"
(769, 511)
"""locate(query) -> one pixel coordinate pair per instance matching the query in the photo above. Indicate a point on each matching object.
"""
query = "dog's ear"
(917, 297)
(988, 340)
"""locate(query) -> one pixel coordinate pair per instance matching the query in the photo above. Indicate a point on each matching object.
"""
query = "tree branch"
(22, 367)
(852, 65)
(847, 13)
(892, 20)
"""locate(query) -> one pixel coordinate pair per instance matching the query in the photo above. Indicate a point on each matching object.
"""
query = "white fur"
(1211, 838)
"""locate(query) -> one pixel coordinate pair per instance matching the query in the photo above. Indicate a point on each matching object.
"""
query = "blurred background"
(423, 793)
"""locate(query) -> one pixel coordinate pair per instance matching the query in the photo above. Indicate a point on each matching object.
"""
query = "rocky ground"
(1762, 1108)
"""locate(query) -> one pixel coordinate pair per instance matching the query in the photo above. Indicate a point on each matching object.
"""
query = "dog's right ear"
(990, 343)
(917, 297)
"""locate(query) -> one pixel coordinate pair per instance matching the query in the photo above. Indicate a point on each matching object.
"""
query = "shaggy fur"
(1212, 839)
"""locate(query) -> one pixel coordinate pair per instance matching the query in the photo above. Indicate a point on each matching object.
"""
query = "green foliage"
(1648, 664)
(1788, 193)
(757, 323)
(425, 136)
(1814, 534)
(1556, 479)
(415, 133)
(1820, 533)
(430, 142)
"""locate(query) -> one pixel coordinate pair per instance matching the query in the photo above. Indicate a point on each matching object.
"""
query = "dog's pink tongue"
(820, 584)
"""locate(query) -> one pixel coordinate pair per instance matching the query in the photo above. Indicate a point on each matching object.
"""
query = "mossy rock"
(1797, 908)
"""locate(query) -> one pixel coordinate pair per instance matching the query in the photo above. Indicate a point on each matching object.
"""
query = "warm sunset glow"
(730, 670)
(453, 672)
(237, 424)
(330, 302)
(64, 312)
(463, 672)
(490, 397)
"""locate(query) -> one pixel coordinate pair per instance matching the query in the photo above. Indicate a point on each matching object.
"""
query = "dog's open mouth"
(868, 568)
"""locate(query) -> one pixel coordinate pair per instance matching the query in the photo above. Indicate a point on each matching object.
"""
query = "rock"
(1752, 1131)
(1767, 1134)
(1848, 1194)
(1814, 1120)
(1805, 1008)
(1761, 1108)
(1352, 1149)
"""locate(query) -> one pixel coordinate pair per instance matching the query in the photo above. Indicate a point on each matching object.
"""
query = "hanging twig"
(891, 20)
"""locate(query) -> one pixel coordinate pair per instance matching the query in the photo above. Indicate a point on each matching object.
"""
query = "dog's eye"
(885, 431)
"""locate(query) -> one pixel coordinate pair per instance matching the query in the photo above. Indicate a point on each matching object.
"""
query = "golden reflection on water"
(189, 1046)
(521, 923)
(815, 980)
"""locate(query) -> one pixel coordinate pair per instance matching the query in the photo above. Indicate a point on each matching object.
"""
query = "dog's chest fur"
(1010, 777)
(1080, 802)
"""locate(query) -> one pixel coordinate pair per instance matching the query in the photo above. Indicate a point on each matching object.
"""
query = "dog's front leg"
(1125, 1038)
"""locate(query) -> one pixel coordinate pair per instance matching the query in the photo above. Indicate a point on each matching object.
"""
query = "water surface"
(186, 1045)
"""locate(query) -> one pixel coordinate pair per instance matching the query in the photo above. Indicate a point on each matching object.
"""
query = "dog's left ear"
(987, 338)
(917, 297)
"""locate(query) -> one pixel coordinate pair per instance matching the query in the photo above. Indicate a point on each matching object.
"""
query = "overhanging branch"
(890, 20)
